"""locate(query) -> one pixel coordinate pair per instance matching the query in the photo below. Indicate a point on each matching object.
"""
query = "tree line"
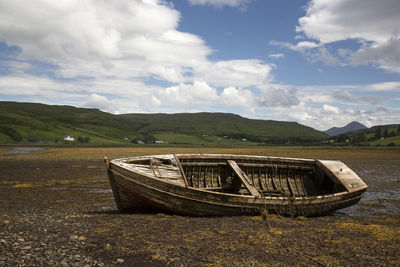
(360, 137)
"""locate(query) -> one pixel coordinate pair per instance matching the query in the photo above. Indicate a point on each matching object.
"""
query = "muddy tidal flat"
(57, 209)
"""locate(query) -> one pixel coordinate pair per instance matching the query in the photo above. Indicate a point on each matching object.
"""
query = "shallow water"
(383, 194)
(21, 150)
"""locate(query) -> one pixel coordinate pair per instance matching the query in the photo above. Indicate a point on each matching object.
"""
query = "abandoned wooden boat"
(225, 185)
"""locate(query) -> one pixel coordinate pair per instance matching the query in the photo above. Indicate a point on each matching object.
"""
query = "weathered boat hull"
(137, 191)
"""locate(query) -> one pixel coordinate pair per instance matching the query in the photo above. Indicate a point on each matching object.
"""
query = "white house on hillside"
(69, 138)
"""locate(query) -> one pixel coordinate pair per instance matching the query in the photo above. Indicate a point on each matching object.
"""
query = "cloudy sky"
(321, 63)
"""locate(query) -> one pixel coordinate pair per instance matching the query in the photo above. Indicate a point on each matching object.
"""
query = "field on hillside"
(33, 123)
(58, 209)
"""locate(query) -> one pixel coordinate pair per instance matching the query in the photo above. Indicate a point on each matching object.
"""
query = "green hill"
(31, 122)
(379, 135)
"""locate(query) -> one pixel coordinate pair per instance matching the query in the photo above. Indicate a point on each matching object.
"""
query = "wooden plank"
(191, 177)
(205, 177)
(252, 176)
(299, 179)
(337, 171)
(244, 157)
(244, 178)
(201, 176)
(178, 163)
(204, 164)
(292, 186)
(114, 185)
(196, 179)
(260, 179)
(283, 183)
(245, 164)
(300, 185)
(268, 184)
(212, 177)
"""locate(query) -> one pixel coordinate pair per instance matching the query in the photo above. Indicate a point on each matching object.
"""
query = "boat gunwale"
(217, 156)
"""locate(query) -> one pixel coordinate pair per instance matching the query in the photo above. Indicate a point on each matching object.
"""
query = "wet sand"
(57, 209)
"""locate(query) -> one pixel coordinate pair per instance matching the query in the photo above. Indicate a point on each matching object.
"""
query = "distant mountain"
(351, 127)
(27, 122)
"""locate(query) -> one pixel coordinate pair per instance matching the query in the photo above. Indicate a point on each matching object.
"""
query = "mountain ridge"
(23, 121)
(350, 127)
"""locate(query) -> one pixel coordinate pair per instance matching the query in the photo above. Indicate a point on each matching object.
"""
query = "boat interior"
(253, 176)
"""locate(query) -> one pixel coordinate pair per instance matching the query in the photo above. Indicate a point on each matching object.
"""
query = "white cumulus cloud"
(331, 109)
(130, 50)
(384, 86)
(233, 96)
(190, 94)
(100, 102)
(370, 20)
(274, 95)
(376, 24)
(242, 73)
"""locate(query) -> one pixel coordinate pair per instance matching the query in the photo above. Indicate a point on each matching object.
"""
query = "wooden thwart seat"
(178, 163)
(243, 177)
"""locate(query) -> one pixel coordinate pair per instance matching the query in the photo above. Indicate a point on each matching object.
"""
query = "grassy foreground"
(57, 209)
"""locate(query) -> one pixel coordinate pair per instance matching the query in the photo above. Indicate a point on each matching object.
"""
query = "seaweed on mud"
(43, 226)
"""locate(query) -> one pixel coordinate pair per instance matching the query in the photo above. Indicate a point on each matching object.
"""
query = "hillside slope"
(21, 122)
(220, 124)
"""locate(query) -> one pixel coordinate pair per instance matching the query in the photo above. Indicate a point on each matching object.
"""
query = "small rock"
(27, 247)
(82, 238)
(64, 263)
(6, 221)
(74, 237)
(120, 261)
(21, 239)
